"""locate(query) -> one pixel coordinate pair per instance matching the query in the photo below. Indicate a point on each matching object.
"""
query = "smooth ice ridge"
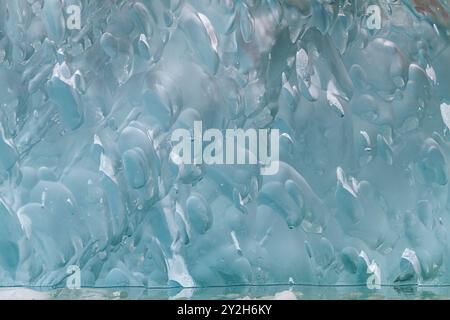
(362, 191)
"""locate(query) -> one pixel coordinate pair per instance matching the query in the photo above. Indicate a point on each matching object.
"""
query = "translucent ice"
(87, 175)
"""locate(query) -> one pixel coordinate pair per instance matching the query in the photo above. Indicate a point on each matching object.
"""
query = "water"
(265, 292)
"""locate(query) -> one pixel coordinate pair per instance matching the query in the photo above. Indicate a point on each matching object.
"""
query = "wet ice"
(86, 176)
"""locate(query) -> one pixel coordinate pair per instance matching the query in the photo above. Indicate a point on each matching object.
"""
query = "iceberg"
(91, 93)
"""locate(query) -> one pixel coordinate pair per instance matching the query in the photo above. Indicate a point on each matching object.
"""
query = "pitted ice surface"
(361, 190)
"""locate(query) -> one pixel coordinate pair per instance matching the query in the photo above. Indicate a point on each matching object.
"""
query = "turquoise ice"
(362, 194)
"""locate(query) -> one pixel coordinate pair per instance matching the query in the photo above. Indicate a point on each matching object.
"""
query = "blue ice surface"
(86, 115)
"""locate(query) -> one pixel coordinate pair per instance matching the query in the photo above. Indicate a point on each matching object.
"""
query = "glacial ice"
(86, 176)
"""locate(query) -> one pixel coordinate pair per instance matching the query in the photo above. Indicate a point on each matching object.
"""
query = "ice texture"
(86, 115)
